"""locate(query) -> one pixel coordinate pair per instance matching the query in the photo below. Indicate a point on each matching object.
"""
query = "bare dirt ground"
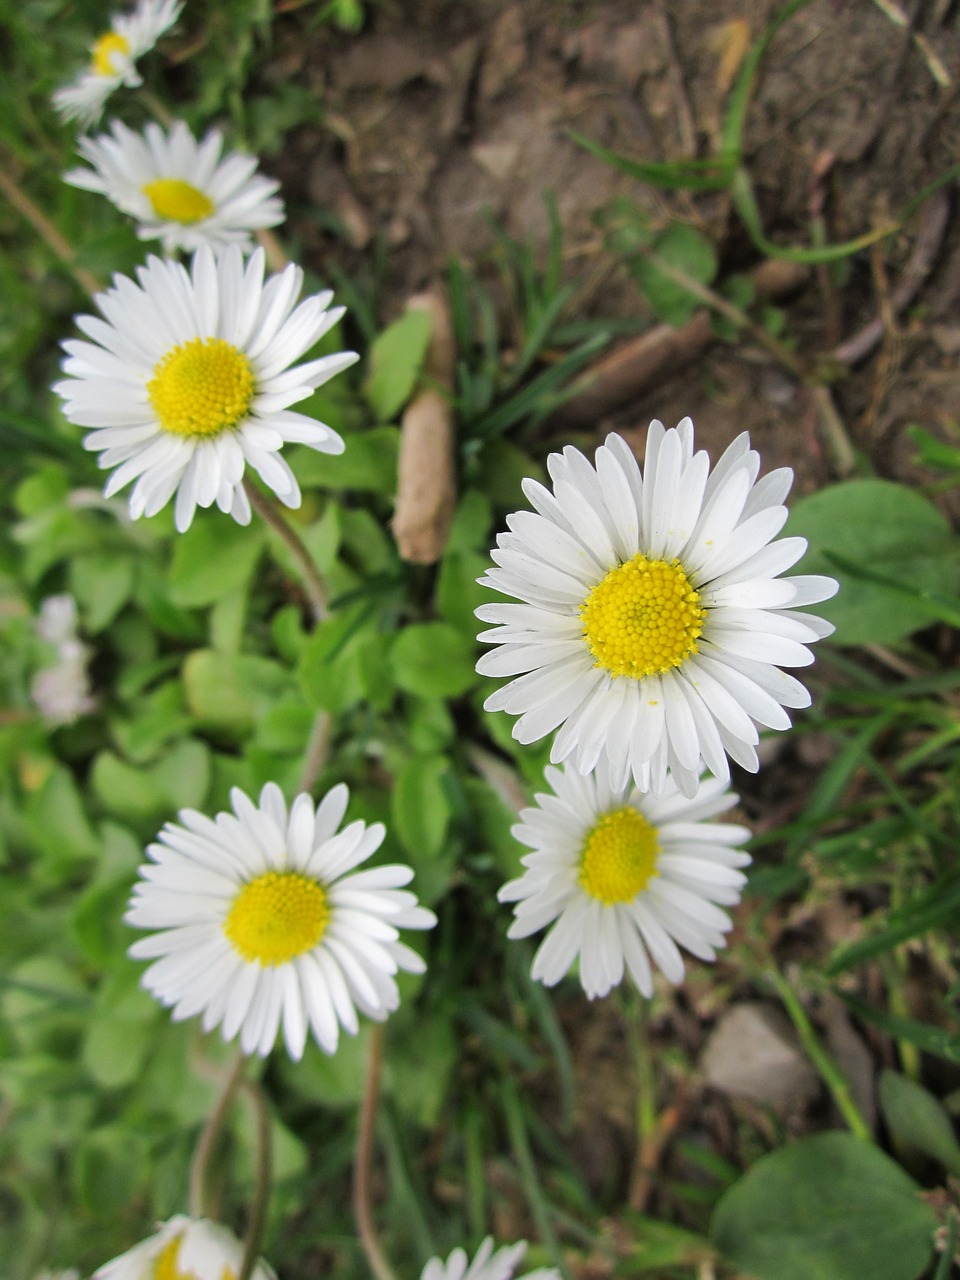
(440, 115)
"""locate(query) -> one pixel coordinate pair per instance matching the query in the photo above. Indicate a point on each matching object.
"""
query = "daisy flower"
(653, 623)
(261, 921)
(188, 379)
(184, 1249)
(486, 1265)
(182, 192)
(113, 58)
(625, 877)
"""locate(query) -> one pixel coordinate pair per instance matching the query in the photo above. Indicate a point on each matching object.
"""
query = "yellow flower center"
(278, 916)
(165, 1266)
(104, 52)
(178, 201)
(643, 618)
(201, 387)
(619, 857)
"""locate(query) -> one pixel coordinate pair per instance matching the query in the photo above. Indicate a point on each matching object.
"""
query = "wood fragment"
(426, 473)
(644, 361)
(921, 260)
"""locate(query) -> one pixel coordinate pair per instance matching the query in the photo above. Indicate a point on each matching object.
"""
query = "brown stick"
(426, 473)
(660, 351)
(925, 249)
(48, 232)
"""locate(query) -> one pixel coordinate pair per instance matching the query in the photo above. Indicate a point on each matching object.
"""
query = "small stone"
(753, 1053)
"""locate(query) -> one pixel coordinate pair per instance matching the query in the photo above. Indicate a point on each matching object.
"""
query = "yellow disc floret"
(643, 618)
(178, 201)
(201, 387)
(277, 916)
(105, 51)
(619, 857)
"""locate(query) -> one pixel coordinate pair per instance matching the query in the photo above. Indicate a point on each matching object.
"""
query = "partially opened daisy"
(486, 1265)
(184, 1249)
(624, 877)
(263, 921)
(653, 622)
(113, 59)
(180, 191)
(188, 379)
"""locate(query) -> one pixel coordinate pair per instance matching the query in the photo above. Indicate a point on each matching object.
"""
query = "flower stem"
(261, 1196)
(199, 1206)
(315, 756)
(312, 582)
(831, 1074)
(362, 1208)
(48, 232)
(156, 108)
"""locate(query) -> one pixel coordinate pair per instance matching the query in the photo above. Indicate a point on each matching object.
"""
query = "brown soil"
(441, 113)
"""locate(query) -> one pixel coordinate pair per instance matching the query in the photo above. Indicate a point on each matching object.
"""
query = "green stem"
(517, 1130)
(362, 1208)
(261, 1196)
(831, 1074)
(312, 582)
(199, 1202)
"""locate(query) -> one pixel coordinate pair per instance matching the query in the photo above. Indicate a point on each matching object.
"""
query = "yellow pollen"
(178, 201)
(165, 1265)
(278, 916)
(619, 857)
(105, 51)
(643, 618)
(201, 387)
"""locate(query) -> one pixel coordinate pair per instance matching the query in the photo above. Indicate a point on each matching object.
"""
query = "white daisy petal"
(486, 1264)
(172, 385)
(184, 1246)
(621, 877)
(637, 594)
(262, 927)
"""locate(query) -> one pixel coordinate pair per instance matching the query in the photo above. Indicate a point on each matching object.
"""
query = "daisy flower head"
(624, 876)
(184, 1249)
(652, 622)
(181, 192)
(113, 59)
(189, 377)
(486, 1265)
(263, 921)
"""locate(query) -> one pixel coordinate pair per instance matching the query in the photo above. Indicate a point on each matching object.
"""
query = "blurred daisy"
(182, 192)
(184, 1249)
(187, 380)
(61, 691)
(113, 58)
(262, 923)
(653, 622)
(624, 877)
(487, 1265)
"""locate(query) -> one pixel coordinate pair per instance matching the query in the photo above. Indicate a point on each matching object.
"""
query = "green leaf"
(828, 1207)
(679, 246)
(421, 810)
(885, 527)
(231, 692)
(395, 360)
(330, 671)
(102, 584)
(125, 791)
(434, 660)
(214, 558)
(917, 1121)
(368, 463)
